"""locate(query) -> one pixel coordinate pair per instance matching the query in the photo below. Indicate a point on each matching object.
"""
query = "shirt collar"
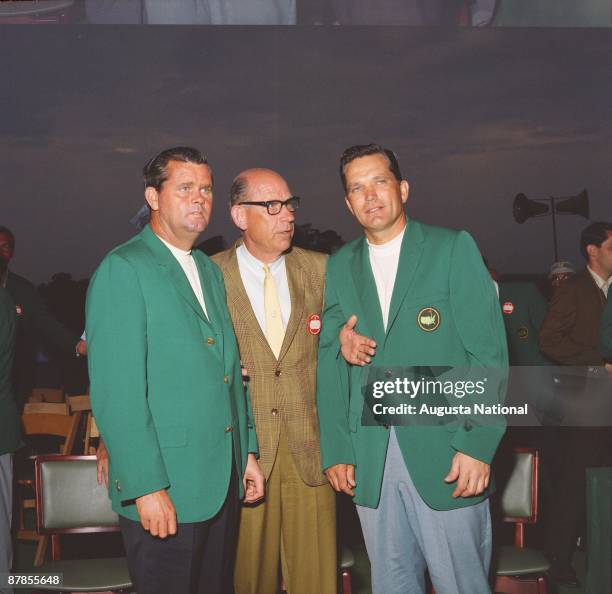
(600, 282)
(257, 265)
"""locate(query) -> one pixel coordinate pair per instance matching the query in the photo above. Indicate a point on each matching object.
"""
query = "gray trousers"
(6, 513)
(404, 536)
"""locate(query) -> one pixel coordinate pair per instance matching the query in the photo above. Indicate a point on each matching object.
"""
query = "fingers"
(350, 476)
(100, 472)
(340, 480)
(351, 322)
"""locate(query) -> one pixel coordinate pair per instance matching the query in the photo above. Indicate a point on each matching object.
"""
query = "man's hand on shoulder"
(472, 475)
(355, 348)
(157, 513)
(342, 478)
(253, 481)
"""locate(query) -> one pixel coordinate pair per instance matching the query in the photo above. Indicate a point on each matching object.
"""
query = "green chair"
(520, 570)
(70, 501)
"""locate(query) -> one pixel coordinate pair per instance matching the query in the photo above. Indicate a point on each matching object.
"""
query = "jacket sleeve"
(333, 384)
(606, 332)
(479, 322)
(555, 338)
(117, 359)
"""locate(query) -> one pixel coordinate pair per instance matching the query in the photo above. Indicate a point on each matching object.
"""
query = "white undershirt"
(252, 274)
(600, 282)
(384, 259)
(189, 266)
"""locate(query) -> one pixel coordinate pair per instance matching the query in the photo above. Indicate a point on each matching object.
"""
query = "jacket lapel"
(295, 278)
(365, 288)
(175, 273)
(238, 295)
(410, 256)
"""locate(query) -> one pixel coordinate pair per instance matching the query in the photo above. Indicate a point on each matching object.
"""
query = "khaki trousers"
(294, 527)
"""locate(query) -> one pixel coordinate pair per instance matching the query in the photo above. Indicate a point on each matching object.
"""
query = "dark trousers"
(198, 559)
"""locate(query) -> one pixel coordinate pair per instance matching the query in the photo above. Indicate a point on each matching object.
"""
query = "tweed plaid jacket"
(283, 391)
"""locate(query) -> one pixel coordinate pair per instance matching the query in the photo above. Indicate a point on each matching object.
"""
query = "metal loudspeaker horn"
(524, 208)
(578, 204)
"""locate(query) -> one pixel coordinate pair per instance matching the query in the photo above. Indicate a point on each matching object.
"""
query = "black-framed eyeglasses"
(275, 206)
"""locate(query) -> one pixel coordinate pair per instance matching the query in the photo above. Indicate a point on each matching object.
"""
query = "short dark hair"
(364, 150)
(595, 234)
(11, 236)
(155, 172)
(238, 190)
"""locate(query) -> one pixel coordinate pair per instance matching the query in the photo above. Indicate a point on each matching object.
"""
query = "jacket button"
(274, 412)
(229, 429)
(467, 426)
(278, 373)
(210, 341)
(388, 373)
(226, 379)
(117, 486)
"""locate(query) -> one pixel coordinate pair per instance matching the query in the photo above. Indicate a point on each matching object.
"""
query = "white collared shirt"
(190, 268)
(384, 260)
(600, 282)
(252, 274)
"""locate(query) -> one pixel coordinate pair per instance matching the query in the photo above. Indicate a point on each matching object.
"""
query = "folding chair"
(58, 424)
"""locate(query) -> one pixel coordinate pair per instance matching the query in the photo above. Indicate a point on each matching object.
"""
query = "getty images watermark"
(517, 396)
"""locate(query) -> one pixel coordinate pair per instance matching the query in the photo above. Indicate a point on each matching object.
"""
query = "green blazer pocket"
(172, 437)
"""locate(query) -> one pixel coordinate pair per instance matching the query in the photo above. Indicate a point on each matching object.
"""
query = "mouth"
(373, 210)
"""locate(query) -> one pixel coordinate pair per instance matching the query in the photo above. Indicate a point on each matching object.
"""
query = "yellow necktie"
(275, 332)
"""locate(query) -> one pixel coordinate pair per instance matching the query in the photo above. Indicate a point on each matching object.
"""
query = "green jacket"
(523, 310)
(606, 331)
(166, 384)
(10, 431)
(34, 321)
(440, 269)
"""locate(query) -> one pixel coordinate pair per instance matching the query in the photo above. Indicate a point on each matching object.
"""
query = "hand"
(608, 367)
(472, 475)
(253, 481)
(157, 513)
(81, 348)
(102, 457)
(355, 348)
(342, 478)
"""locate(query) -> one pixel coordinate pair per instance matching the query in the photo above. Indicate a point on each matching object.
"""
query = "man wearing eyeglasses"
(275, 296)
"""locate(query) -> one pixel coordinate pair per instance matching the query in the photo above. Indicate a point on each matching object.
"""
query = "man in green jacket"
(423, 295)
(10, 439)
(33, 320)
(167, 390)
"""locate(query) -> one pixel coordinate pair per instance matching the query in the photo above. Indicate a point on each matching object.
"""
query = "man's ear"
(239, 217)
(152, 197)
(404, 190)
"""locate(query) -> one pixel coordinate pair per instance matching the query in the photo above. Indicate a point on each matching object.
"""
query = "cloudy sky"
(476, 116)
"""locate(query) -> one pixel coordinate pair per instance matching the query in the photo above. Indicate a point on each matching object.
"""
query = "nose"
(286, 214)
(370, 192)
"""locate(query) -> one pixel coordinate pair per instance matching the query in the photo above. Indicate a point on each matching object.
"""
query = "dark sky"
(476, 116)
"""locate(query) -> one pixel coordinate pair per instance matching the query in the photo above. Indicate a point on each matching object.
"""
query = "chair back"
(69, 498)
(80, 403)
(519, 498)
(53, 408)
(59, 425)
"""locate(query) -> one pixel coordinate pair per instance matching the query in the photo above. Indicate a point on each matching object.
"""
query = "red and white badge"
(18, 310)
(508, 307)
(313, 325)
